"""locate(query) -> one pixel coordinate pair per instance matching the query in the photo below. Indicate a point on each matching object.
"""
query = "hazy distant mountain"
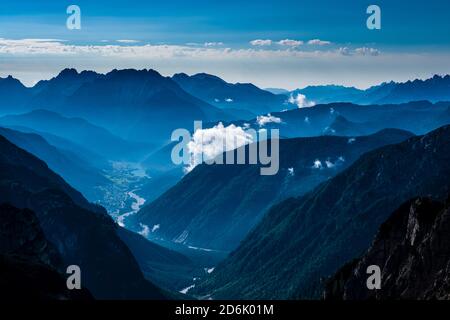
(80, 131)
(73, 169)
(14, 95)
(82, 233)
(329, 94)
(412, 249)
(85, 154)
(217, 92)
(277, 91)
(163, 173)
(434, 90)
(66, 83)
(216, 206)
(145, 106)
(137, 105)
(140, 105)
(350, 119)
(302, 240)
(342, 126)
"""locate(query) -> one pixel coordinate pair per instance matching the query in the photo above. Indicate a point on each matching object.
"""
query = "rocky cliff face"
(28, 262)
(412, 248)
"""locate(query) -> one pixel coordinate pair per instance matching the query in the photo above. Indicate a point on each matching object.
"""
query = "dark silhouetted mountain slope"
(303, 240)
(82, 233)
(166, 268)
(30, 267)
(412, 249)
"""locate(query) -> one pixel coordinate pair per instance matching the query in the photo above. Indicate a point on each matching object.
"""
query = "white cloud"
(274, 66)
(260, 42)
(263, 120)
(307, 120)
(364, 51)
(329, 164)
(345, 51)
(317, 164)
(144, 51)
(127, 41)
(213, 44)
(229, 100)
(145, 230)
(291, 172)
(329, 130)
(186, 290)
(300, 101)
(351, 140)
(290, 43)
(207, 144)
(318, 42)
(156, 227)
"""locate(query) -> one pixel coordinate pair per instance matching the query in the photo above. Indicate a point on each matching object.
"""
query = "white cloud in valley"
(207, 144)
(301, 101)
(263, 120)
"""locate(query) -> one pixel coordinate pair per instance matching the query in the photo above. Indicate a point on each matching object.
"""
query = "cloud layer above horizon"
(284, 43)
(286, 63)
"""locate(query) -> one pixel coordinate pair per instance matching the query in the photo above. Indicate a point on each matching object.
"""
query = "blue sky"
(216, 37)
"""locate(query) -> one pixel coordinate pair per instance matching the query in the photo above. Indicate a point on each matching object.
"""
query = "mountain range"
(363, 179)
(434, 89)
(136, 105)
(215, 206)
(418, 117)
(303, 240)
(140, 105)
(244, 100)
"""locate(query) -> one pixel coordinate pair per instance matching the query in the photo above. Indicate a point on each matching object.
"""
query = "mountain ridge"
(302, 240)
(215, 206)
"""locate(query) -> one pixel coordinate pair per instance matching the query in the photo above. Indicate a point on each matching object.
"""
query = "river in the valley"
(121, 198)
